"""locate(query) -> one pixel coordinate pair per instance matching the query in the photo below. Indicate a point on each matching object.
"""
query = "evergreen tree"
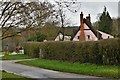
(105, 22)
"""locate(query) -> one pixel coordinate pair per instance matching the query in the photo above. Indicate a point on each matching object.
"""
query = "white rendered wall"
(90, 33)
(105, 35)
(87, 32)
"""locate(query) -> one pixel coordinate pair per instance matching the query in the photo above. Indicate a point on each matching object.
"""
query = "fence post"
(40, 54)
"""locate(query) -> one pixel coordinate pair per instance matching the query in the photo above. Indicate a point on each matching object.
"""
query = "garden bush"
(103, 52)
(110, 51)
(32, 49)
(38, 37)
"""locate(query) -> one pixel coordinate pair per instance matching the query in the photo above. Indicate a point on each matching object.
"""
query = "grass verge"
(10, 76)
(15, 57)
(86, 69)
(4, 52)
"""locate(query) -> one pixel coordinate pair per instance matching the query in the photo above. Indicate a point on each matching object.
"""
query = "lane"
(34, 72)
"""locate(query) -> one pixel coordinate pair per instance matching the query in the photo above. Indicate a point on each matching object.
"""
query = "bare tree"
(63, 7)
(23, 16)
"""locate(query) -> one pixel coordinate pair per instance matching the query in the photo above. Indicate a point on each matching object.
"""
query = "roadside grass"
(85, 69)
(4, 53)
(15, 57)
(11, 76)
(1, 52)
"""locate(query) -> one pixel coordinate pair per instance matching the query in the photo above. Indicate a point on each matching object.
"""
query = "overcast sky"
(93, 7)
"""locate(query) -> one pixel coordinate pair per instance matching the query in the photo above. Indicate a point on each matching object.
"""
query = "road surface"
(39, 73)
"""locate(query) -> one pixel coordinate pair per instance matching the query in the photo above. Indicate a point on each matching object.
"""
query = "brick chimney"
(82, 34)
(88, 18)
(81, 18)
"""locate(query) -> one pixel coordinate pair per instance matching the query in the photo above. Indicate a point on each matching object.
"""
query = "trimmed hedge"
(105, 52)
(32, 49)
(38, 37)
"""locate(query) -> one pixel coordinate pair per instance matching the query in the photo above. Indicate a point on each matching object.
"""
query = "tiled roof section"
(88, 23)
(70, 31)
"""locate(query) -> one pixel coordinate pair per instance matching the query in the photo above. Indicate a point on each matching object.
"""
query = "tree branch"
(9, 16)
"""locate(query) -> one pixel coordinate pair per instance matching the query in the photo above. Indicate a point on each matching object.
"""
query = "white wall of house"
(89, 35)
(76, 38)
(67, 38)
(60, 36)
(105, 35)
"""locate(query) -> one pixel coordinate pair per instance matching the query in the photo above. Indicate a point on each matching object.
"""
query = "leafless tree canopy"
(14, 15)
(23, 15)
(64, 6)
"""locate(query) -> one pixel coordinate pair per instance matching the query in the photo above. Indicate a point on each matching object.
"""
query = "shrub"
(105, 52)
(41, 37)
(32, 49)
(110, 51)
(38, 37)
(33, 38)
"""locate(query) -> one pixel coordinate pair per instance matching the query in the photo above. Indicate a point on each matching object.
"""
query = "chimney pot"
(88, 18)
(89, 15)
(81, 18)
(81, 12)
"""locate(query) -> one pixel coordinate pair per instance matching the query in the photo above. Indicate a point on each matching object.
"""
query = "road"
(39, 73)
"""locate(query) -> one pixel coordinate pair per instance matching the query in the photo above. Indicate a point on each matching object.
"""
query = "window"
(78, 37)
(88, 36)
